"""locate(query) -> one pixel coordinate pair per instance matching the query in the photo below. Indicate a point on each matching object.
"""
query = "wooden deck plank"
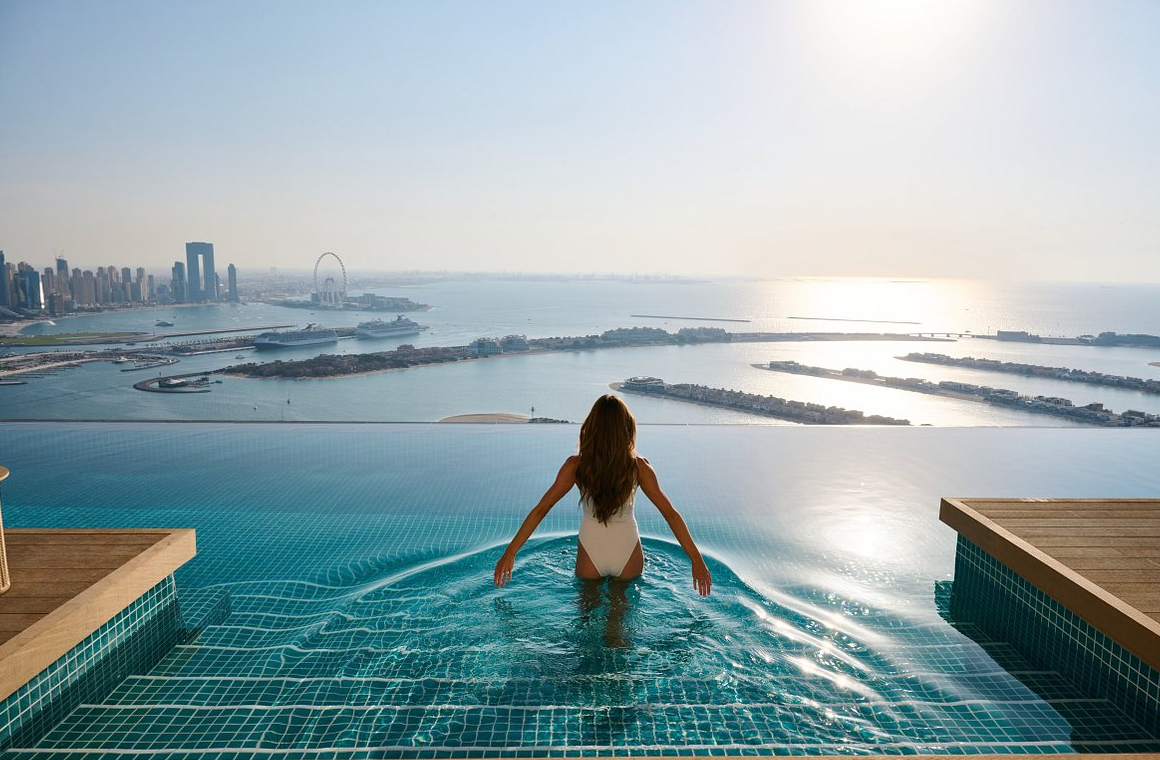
(68, 583)
(38, 575)
(85, 538)
(1107, 563)
(1118, 542)
(1119, 588)
(1126, 531)
(1100, 558)
(1073, 523)
(1152, 552)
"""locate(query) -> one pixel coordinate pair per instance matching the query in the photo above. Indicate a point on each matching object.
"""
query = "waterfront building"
(5, 286)
(200, 274)
(644, 384)
(56, 304)
(232, 273)
(486, 347)
(178, 283)
(515, 343)
(31, 292)
(63, 284)
(104, 285)
(150, 288)
(87, 288)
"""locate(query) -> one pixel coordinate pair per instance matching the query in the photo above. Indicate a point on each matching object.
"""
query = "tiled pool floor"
(362, 618)
(427, 660)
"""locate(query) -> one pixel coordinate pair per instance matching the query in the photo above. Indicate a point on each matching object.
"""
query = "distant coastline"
(328, 366)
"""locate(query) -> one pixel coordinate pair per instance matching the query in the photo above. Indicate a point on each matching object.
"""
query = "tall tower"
(233, 279)
(202, 280)
(5, 289)
(179, 285)
(62, 283)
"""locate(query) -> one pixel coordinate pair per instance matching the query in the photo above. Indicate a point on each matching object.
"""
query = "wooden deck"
(68, 583)
(1100, 558)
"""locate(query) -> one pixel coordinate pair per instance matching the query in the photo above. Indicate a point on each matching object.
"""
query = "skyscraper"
(179, 285)
(32, 296)
(62, 281)
(232, 271)
(202, 280)
(5, 286)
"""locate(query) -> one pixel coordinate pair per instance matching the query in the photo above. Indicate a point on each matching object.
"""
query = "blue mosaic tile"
(989, 594)
(131, 642)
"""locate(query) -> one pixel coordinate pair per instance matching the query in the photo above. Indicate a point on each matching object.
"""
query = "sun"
(892, 40)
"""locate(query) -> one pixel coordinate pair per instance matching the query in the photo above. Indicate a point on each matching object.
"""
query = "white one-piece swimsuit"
(609, 545)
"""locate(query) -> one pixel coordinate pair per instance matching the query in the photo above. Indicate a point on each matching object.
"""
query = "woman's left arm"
(565, 479)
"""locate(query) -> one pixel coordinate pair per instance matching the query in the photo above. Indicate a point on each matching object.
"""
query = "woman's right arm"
(647, 478)
(565, 479)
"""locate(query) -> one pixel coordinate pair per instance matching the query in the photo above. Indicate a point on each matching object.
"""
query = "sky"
(1002, 139)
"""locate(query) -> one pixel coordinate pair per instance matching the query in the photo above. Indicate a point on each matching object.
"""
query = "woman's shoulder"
(642, 463)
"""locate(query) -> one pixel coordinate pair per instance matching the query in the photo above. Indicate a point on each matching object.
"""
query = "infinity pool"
(362, 620)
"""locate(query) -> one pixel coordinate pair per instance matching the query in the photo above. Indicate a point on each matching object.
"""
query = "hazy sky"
(996, 138)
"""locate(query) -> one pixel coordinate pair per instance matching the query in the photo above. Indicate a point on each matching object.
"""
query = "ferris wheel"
(329, 293)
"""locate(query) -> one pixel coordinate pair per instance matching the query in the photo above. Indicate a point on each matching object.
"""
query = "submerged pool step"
(402, 661)
(584, 690)
(333, 631)
(304, 727)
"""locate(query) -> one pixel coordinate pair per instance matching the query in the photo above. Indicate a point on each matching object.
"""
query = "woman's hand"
(701, 579)
(503, 569)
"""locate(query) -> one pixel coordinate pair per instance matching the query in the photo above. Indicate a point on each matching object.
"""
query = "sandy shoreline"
(493, 417)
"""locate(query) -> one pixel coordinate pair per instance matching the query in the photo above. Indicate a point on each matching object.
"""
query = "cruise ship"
(311, 335)
(377, 328)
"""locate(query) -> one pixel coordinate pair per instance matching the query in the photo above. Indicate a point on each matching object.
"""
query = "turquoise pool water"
(362, 620)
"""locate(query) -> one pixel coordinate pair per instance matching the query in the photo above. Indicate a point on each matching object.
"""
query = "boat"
(377, 328)
(162, 323)
(310, 335)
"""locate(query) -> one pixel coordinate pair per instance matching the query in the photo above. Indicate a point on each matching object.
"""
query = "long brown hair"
(606, 474)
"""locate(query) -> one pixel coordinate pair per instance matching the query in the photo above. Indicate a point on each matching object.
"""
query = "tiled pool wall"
(131, 642)
(993, 596)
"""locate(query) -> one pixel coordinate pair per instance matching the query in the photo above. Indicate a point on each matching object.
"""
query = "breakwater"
(1036, 370)
(692, 319)
(767, 406)
(1092, 414)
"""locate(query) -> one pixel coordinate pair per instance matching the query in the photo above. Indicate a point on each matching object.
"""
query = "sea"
(563, 385)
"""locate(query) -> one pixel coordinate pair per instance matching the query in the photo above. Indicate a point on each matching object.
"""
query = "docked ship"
(310, 335)
(377, 328)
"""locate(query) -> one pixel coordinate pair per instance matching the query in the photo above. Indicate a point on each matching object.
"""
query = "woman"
(607, 472)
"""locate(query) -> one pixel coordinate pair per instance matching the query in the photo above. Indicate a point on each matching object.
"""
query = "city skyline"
(898, 138)
(26, 290)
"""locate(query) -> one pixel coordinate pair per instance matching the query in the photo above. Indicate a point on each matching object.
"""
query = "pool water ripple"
(351, 611)
(432, 656)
